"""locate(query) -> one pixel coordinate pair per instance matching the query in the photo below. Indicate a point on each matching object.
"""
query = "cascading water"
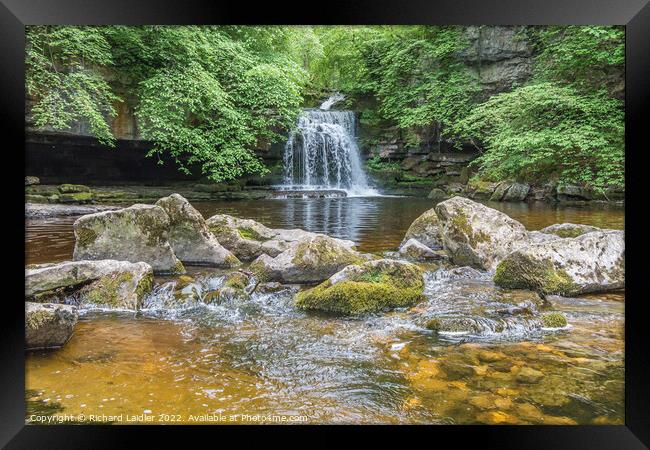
(322, 153)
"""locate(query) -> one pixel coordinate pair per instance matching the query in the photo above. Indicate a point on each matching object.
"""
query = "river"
(265, 361)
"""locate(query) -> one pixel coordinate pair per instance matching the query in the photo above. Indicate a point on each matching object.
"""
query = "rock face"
(248, 239)
(369, 287)
(108, 283)
(48, 325)
(137, 233)
(570, 230)
(311, 260)
(426, 230)
(189, 236)
(516, 192)
(592, 262)
(475, 235)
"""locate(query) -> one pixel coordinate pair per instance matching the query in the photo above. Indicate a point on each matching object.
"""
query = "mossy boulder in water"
(76, 197)
(312, 260)
(426, 230)
(189, 236)
(248, 239)
(137, 233)
(593, 262)
(554, 320)
(475, 235)
(48, 325)
(106, 283)
(369, 287)
(568, 230)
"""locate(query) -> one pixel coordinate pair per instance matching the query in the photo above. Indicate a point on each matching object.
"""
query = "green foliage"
(60, 76)
(205, 95)
(377, 164)
(541, 130)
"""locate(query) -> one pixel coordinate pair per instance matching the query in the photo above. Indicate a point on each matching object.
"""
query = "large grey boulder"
(369, 287)
(106, 283)
(310, 260)
(189, 236)
(426, 230)
(248, 239)
(48, 325)
(568, 229)
(475, 235)
(137, 233)
(593, 262)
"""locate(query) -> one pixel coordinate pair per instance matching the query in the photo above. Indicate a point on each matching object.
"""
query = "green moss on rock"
(249, 233)
(107, 290)
(73, 188)
(517, 272)
(554, 320)
(378, 288)
(85, 236)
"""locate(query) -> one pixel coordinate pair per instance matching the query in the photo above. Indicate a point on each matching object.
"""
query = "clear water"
(256, 360)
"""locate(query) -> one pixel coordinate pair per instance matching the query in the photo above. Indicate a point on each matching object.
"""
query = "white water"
(322, 153)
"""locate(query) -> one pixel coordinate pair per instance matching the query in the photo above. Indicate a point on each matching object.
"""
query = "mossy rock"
(370, 287)
(77, 197)
(519, 272)
(73, 188)
(35, 198)
(554, 320)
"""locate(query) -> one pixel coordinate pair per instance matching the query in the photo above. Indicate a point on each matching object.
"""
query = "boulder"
(426, 230)
(369, 287)
(475, 235)
(568, 230)
(107, 283)
(137, 233)
(248, 239)
(73, 188)
(517, 192)
(30, 181)
(311, 260)
(481, 190)
(593, 262)
(416, 251)
(48, 325)
(189, 236)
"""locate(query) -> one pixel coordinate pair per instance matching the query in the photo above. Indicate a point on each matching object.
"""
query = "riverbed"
(265, 361)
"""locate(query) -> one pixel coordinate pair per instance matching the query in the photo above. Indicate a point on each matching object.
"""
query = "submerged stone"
(369, 287)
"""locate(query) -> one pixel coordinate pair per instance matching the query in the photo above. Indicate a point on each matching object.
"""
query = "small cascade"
(322, 153)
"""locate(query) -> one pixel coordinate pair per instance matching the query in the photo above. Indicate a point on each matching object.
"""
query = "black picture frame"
(634, 14)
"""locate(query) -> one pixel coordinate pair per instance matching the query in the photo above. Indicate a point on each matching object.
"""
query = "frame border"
(635, 14)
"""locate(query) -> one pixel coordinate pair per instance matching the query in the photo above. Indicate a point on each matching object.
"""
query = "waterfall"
(322, 153)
